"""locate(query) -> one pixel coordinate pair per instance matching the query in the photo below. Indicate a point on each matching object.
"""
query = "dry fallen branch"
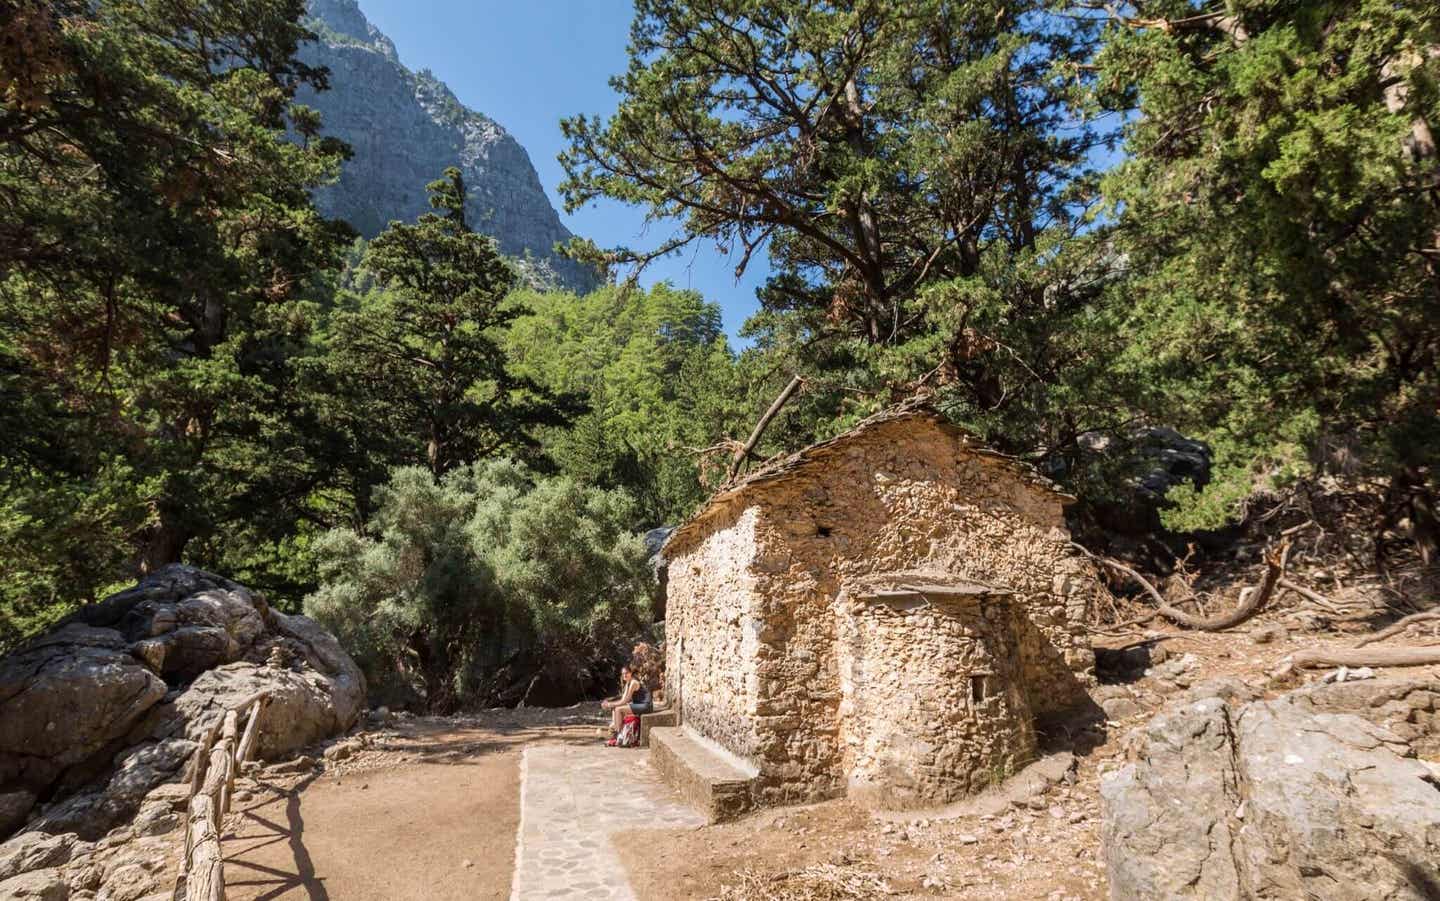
(1429, 616)
(1312, 596)
(1251, 600)
(1358, 657)
(744, 451)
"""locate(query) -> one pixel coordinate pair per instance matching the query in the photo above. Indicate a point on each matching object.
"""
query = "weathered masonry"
(884, 615)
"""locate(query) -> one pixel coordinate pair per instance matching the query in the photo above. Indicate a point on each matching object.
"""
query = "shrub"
(488, 564)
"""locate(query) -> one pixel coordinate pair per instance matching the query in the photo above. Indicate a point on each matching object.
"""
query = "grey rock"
(338, 752)
(65, 697)
(1118, 708)
(303, 763)
(144, 767)
(1174, 460)
(84, 877)
(299, 712)
(35, 851)
(1174, 669)
(404, 129)
(38, 885)
(130, 882)
(323, 654)
(1229, 798)
(173, 794)
(1269, 634)
(15, 808)
(87, 720)
(156, 819)
(1166, 831)
(655, 542)
(91, 814)
(1157, 459)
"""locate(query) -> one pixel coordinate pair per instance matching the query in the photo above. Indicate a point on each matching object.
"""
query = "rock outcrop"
(108, 706)
(1316, 794)
(405, 128)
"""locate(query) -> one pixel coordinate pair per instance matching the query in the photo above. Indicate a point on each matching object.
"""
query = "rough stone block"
(712, 784)
(659, 718)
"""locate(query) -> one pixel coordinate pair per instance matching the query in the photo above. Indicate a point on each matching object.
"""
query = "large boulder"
(34, 851)
(65, 698)
(38, 885)
(301, 709)
(1149, 462)
(1312, 794)
(108, 704)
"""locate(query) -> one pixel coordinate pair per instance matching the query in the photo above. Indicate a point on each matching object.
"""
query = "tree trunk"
(435, 674)
(164, 543)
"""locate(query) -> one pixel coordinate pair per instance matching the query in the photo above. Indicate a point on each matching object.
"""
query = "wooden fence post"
(212, 784)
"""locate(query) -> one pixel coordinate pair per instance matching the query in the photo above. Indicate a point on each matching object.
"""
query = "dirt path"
(429, 812)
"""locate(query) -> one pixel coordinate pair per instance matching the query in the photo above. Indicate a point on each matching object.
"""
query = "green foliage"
(657, 375)
(911, 170)
(419, 356)
(192, 364)
(156, 218)
(459, 575)
(1277, 224)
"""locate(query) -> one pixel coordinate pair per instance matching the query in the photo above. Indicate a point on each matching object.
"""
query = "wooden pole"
(227, 744)
(246, 747)
(205, 877)
(212, 782)
(215, 780)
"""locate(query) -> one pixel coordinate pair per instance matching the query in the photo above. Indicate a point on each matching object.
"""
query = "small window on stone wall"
(977, 689)
(822, 531)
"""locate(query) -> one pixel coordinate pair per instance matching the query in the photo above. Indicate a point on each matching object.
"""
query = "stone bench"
(648, 721)
(715, 786)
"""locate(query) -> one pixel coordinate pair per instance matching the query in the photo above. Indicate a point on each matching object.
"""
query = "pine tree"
(422, 353)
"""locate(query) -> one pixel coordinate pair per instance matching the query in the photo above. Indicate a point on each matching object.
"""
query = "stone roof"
(915, 412)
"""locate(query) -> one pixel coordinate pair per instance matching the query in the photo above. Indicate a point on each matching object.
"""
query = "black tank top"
(641, 694)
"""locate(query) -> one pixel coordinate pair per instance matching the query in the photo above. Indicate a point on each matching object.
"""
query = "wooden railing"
(212, 783)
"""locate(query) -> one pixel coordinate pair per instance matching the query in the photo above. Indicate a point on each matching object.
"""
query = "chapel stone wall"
(712, 630)
(765, 572)
(931, 703)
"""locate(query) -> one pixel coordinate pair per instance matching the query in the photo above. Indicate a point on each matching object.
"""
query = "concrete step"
(714, 785)
(654, 720)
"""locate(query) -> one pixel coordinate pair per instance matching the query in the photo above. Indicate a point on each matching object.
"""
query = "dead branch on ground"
(1358, 657)
(1400, 625)
(1314, 597)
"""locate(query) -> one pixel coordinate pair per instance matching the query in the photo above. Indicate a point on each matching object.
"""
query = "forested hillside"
(1070, 223)
(403, 128)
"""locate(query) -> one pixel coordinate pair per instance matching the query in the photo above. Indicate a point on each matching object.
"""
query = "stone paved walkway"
(572, 800)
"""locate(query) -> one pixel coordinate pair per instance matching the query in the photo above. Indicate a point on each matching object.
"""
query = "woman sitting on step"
(634, 700)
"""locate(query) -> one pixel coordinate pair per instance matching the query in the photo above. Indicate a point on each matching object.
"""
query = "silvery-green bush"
(455, 577)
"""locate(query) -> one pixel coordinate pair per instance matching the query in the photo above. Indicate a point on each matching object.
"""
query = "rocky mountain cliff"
(405, 127)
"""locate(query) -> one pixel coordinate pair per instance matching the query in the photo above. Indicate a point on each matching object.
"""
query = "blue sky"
(526, 64)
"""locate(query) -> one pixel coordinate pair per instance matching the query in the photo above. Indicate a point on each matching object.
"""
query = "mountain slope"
(405, 127)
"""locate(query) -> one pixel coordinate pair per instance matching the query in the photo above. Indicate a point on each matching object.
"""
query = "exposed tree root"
(1251, 599)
